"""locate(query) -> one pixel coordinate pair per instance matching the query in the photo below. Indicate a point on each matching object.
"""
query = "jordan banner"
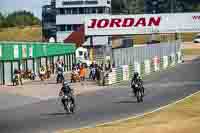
(142, 24)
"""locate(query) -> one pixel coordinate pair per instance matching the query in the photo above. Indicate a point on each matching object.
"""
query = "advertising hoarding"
(142, 24)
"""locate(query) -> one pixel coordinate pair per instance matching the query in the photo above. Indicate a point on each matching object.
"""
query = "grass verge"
(184, 117)
(30, 33)
(191, 51)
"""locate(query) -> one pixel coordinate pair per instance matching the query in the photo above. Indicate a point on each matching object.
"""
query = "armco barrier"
(125, 73)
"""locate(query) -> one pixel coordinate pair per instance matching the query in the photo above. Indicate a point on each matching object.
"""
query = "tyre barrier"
(125, 72)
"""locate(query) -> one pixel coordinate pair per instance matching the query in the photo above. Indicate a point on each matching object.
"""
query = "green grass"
(33, 33)
(191, 51)
(142, 39)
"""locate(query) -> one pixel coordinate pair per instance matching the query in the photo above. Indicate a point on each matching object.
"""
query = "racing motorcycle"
(139, 91)
(69, 106)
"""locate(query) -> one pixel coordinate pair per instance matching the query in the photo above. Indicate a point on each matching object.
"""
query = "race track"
(112, 103)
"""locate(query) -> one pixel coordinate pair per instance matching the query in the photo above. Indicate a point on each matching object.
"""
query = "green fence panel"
(7, 52)
(26, 50)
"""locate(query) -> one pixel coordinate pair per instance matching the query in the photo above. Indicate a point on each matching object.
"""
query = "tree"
(128, 6)
(154, 6)
(19, 18)
(1, 20)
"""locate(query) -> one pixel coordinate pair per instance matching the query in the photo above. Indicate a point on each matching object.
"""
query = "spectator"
(82, 73)
(93, 73)
(98, 73)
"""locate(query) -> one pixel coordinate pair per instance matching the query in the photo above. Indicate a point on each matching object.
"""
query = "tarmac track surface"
(112, 103)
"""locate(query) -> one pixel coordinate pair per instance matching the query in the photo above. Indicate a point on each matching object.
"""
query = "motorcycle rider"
(136, 78)
(60, 72)
(66, 90)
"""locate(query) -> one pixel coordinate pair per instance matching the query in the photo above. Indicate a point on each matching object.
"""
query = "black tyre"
(142, 91)
(66, 107)
(141, 95)
(72, 108)
(138, 96)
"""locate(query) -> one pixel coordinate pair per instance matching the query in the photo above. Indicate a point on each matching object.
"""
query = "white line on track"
(134, 117)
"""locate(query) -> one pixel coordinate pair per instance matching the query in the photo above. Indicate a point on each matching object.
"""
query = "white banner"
(16, 51)
(142, 24)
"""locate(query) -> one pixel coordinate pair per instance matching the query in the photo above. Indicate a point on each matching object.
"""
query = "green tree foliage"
(18, 18)
(1, 20)
(127, 6)
(165, 6)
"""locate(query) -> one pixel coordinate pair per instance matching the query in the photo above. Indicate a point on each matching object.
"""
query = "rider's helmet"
(136, 74)
(65, 84)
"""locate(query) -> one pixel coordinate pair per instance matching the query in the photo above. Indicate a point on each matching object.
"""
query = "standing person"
(57, 63)
(82, 72)
(20, 77)
(93, 73)
(63, 64)
(48, 71)
(90, 74)
(98, 72)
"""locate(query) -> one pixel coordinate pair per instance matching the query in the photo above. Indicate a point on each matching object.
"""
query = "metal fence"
(127, 56)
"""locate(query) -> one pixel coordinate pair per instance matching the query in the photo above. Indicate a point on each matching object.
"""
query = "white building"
(70, 19)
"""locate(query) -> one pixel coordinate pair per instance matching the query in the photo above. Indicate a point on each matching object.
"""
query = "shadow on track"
(125, 102)
(56, 114)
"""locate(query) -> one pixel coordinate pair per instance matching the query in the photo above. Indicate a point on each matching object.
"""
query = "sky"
(35, 6)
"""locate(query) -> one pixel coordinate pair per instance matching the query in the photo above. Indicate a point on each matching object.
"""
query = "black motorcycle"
(69, 106)
(138, 90)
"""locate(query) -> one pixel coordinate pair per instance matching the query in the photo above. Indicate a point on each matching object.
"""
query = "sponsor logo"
(196, 17)
(125, 22)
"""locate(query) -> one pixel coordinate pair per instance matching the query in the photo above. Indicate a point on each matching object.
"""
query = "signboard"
(16, 51)
(0, 51)
(24, 51)
(142, 24)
